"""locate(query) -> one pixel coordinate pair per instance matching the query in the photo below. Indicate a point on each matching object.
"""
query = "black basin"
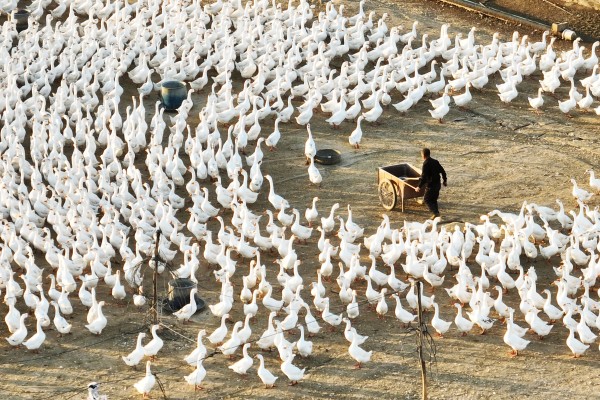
(328, 156)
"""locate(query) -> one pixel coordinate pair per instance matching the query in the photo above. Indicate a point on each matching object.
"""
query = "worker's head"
(425, 153)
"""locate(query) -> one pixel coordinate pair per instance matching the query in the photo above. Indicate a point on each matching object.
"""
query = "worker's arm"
(443, 172)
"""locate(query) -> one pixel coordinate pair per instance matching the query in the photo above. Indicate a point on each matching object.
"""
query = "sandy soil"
(593, 4)
(581, 16)
(496, 156)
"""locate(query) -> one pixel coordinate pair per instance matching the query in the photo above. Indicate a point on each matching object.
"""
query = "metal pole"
(420, 342)
(155, 280)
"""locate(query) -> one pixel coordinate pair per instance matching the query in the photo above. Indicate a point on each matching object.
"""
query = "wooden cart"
(397, 181)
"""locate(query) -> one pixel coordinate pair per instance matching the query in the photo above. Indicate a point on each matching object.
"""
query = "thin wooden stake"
(155, 280)
(420, 342)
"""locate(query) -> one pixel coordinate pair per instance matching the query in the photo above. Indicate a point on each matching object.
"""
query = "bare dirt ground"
(496, 156)
(580, 16)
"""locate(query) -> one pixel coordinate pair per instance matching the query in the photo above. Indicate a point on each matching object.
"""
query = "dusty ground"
(580, 16)
(496, 156)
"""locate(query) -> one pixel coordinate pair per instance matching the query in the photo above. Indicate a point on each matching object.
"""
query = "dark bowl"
(328, 156)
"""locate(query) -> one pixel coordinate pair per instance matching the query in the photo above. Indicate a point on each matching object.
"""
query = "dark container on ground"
(179, 294)
(172, 94)
(328, 156)
(22, 20)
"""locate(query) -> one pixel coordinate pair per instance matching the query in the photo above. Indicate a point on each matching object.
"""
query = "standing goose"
(356, 135)
(579, 193)
(360, 355)
(267, 378)
(536, 102)
(145, 385)
(20, 334)
(576, 347)
(310, 148)
(242, 366)
(313, 173)
(219, 334)
(374, 113)
(61, 324)
(442, 109)
(594, 182)
(276, 200)
(197, 376)
(406, 317)
(134, 358)
(293, 373)
(462, 324)
(512, 339)
(274, 137)
(187, 311)
(229, 347)
(304, 347)
(439, 324)
(99, 322)
(382, 307)
(153, 346)
(34, 342)
(311, 214)
(328, 223)
(199, 352)
(567, 105)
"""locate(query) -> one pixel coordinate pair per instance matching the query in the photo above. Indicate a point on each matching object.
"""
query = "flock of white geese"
(62, 88)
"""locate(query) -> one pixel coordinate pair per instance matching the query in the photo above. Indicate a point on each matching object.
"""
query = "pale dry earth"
(496, 155)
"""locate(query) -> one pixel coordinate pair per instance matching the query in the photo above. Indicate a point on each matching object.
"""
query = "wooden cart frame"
(397, 181)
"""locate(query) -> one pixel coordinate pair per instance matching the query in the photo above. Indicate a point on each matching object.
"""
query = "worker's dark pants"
(431, 198)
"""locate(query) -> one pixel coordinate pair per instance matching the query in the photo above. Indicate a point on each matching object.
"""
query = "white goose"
(293, 373)
(576, 347)
(276, 200)
(310, 148)
(439, 324)
(267, 378)
(20, 334)
(442, 109)
(36, 341)
(462, 324)
(133, 358)
(512, 339)
(311, 214)
(579, 193)
(219, 334)
(314, 175)
(360, 355)
(60, 323)
(594, 182)
(536, 102)
(356, 135)
(188, 310)
(304, 347)
(567, 105)
(153, 347)
(145, 385)
(99, 323)
(196, 377)
(242, 366)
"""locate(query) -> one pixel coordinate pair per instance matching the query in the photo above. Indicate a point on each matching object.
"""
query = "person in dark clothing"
(430, 181)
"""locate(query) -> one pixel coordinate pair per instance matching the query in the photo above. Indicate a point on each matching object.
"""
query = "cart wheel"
(387, 194)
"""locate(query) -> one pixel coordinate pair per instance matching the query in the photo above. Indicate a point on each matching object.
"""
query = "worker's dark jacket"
(430, 176)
